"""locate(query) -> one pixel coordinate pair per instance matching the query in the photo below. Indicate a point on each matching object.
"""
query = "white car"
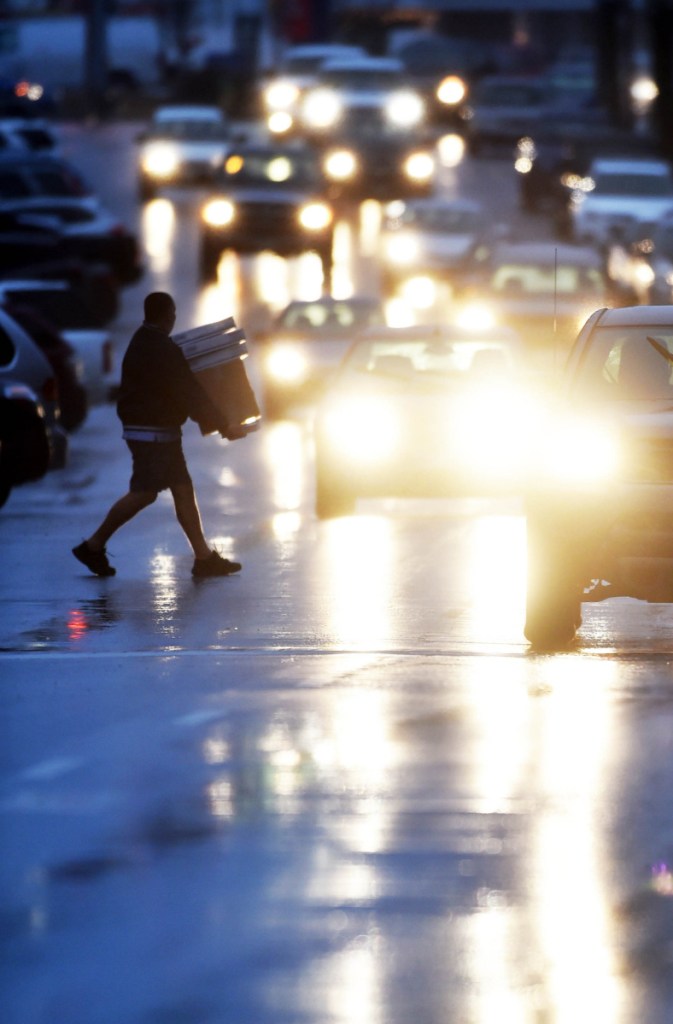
(616, 194)
(369, 94)
(182, 145)
(296, 72)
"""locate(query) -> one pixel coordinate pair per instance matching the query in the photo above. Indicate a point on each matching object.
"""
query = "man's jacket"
(158, 389)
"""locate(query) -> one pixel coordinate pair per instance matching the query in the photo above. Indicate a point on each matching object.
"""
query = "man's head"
(159, 309)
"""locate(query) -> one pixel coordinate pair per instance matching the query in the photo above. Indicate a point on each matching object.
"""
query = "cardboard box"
(216, 354)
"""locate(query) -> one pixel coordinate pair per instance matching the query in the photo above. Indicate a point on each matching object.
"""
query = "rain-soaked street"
(336, 788)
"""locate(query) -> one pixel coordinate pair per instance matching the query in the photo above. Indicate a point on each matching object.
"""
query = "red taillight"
(107, 357)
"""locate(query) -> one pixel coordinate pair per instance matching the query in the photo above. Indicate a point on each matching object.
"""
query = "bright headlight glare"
(476, 317)
(419, 166)
(340, 164)
(402, 248)
(218, 212)
(493, 452)
(451, 149)
(405, 109)
(451, 90)
(363, 429)
(315, 216)
(321, 109)
(580, 451)
(281, 95)
(287, 364)
(523, 164)
(420, 292)
(161, 160)
(279, 122)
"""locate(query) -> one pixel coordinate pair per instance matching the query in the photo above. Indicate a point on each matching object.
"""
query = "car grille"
(269, 218)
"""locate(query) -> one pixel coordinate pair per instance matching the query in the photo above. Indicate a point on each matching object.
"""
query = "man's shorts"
(158, 465)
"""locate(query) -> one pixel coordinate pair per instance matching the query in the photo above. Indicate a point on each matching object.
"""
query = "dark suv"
(600, 505)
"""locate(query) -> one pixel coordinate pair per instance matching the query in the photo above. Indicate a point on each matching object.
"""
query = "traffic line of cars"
(63, 260)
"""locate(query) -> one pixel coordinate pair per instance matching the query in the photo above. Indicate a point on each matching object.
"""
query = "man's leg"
(189, 517)
(121, 512)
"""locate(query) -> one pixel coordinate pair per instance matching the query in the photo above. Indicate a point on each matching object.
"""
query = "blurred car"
(502, 108)
(543, 290)
(299, 354)
(25, 175)
(183, 145)
(443, 69)
(391, 165)
(24, 437)
(267, 197)
(84, 233)
(21, 360)
(282, 90)
(421, 412)
(364, 95)
(616, 194)
(432, 237)
(35, 135)
(71, 313)
(67, 366)
(599, 504)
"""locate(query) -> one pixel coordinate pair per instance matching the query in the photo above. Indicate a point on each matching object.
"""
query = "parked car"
(91, 235)
(422, 412)
(183, 145)
(31, 134)
(24, 437)
(299, 354)
(22, 361)
(642, 261)
(599, 504)
(267, 197)
(24, 175)
(543, 290)
(618, 193)
(70, 312)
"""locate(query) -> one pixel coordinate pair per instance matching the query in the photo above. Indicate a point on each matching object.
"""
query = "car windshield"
(633, 184)
(414, 360)
(622, 364)
(532, 279)
(271, 168)
(448, 221)
(196, 131)
(491, 94)
(340, 315)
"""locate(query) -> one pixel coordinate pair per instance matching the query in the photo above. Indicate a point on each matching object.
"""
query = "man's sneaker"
(96, 561)
(214, 565)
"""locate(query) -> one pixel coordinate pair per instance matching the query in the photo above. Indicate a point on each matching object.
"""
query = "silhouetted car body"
(24, 437)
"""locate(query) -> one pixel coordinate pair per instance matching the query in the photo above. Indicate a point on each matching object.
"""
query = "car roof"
(637, 316)
(547, 253)
(188, 112)
(627, 165)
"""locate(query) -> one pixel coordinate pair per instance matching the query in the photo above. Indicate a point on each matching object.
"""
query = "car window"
(314, 315)
(202, 131)
(633, 184)
(622, 364)
(13, 185)
(423, 359)
(357, 80)
(514, 279)
(7, 348)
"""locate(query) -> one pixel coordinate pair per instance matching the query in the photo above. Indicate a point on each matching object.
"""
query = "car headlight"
(494, 424)
(279, 122)
(280, 95)
(218, 213)
(361, 429)
(451, 90)
(160, 160)
(420, 291)
(402, 248)
(287, 364)
(321, 109)
(476, 316)
(578, 450)
(315, 216)
(419, 166)
(405, 109)
(340, 164)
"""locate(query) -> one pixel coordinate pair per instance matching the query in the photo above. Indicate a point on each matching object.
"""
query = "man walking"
(157, 394)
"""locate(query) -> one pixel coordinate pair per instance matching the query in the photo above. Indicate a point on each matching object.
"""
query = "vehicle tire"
(332, 498)
(554, 594)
